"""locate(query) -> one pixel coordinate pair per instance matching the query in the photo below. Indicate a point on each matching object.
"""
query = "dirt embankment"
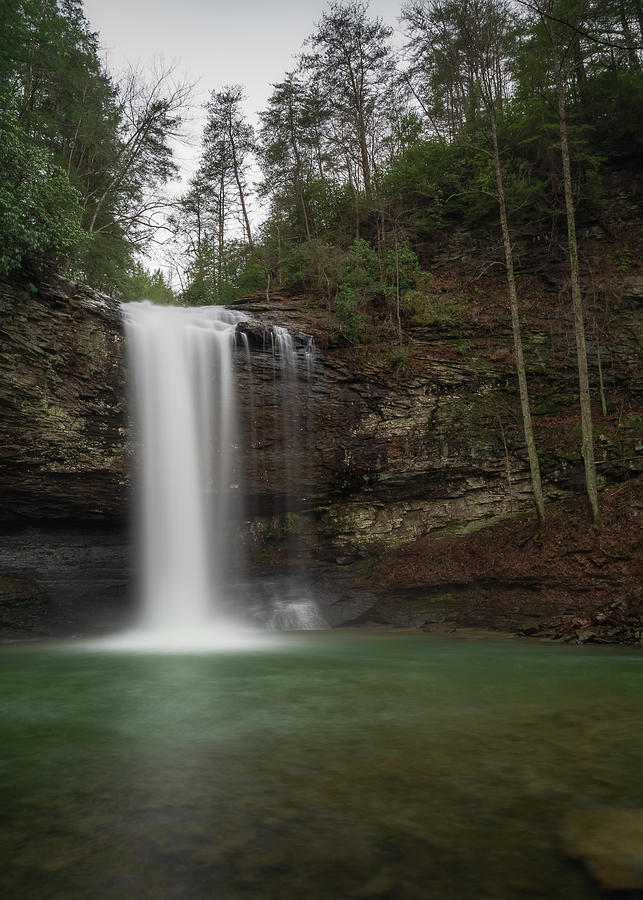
(570, 580)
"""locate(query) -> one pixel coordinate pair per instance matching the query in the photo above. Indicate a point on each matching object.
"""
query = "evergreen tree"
(110, 141)
(351, 62)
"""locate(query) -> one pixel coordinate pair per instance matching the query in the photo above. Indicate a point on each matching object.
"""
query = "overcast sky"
(214, 42)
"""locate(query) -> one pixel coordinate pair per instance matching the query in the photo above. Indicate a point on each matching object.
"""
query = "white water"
(293, 610)
(185, 413)
(183, 397)
(296, 615)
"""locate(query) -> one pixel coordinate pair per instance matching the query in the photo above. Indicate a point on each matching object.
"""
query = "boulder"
(610, 843)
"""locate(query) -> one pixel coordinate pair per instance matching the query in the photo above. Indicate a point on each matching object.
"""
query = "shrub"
(347, 315)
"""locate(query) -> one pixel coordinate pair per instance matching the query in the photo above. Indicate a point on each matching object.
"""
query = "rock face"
(63, 579)
(382, 460)
(63, 453)
(376, 450)
(386, 454)
(63, 461)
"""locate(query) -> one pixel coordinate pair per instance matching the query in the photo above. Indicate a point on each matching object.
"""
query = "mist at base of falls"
(189, 480)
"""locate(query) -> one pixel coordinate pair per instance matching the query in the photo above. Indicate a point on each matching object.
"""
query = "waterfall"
(184, 405)
(184, 410)
(292, 609)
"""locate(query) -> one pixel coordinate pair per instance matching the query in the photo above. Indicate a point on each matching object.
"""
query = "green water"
(341, 765)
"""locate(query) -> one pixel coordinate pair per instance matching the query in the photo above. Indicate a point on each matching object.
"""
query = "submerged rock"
(610, 843)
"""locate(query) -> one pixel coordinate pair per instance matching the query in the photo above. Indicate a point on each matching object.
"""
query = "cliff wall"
(385, 447)
(64, 451)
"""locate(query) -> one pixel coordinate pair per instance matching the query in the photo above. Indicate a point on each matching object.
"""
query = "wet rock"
(382, 885)
(63, 580)
(64, 453)
(610, 843)
(619, 622)
(23, 606)
(633, 287)
(585, 636)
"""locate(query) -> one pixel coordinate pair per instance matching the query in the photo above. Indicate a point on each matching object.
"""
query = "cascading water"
(185, 413)
(185, 409)
(292, 610)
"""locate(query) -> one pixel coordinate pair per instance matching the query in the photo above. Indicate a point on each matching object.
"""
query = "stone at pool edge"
(610, 844)
(24, 606)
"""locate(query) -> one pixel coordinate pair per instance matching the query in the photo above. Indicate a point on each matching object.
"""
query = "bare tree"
(150, 114)
(443, 70)
(480, 34)
(228, 143)
(548, 13)
(284, 157)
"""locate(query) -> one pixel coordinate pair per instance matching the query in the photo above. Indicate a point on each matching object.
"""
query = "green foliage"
(202, 284)
(81, 155)
(440, 310)
(398, 358)
(403, 170)
(295, 265)
(349, 319)
(360, 289)
(403, 278)
(252, 277)
(403, 268)
(284, 527)
(291, 524)
(624, 260)
(418, 183)
(143, 285)
(220, 278)
(40, 212)
(311, 265)
(361, 273)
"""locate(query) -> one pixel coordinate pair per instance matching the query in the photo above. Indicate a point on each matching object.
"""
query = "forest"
(366, 158)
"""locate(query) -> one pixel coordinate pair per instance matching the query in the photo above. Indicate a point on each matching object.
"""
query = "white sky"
(213, 42)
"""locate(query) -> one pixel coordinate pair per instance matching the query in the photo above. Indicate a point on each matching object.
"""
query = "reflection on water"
(329, 766)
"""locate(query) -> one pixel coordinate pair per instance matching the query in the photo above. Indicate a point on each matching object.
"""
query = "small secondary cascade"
(292, 610)
(185, 411)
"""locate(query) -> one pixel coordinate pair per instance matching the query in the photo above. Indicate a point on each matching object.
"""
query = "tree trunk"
(237, 178)
(601, 384)
(638, 6)
(534, 465)
(397, 290)
(587, 447)
(298, 170)
(221, 235)
(629, 39)
(366, 169)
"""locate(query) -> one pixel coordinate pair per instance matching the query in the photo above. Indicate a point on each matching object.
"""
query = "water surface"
(336, 765)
